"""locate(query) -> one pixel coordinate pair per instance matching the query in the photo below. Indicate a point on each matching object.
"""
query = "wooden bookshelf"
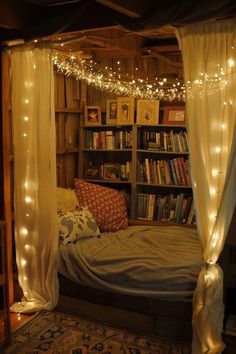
(101, 145)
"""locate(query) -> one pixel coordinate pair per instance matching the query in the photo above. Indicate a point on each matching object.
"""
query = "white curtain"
(209, 59)
(34, 177)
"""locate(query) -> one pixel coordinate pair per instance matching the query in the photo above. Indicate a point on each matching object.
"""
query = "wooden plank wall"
(68, 105)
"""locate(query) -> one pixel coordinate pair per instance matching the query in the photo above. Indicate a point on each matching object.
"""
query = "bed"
(149, 261)
(151, 270)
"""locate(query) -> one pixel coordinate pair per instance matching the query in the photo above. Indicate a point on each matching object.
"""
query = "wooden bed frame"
(148, 315)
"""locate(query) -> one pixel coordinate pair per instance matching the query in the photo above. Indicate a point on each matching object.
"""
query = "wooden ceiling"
(108, 29)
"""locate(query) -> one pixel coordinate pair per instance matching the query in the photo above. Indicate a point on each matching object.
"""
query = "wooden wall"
(68, 107)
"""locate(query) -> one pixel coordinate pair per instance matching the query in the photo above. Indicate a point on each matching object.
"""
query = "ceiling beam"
(131, 8)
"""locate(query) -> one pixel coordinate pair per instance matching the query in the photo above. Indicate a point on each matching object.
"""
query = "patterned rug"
(60, 333)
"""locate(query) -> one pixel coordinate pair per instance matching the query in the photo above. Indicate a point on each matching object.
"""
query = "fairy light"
(108, 79)
(26, 118)
(23, 262)
(28, 199)
(18, 316)
(26, 101)
(23, 231)
(231, 62)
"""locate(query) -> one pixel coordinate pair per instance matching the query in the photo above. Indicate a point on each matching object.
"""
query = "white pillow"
(76, 225)
(66, 199)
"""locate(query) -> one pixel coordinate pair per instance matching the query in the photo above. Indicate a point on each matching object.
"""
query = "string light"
(105, 78)
(28, 199)
(23, 231)
(23, 262)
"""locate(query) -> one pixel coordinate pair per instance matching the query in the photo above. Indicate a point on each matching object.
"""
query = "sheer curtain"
(209, 57)
(34, 177)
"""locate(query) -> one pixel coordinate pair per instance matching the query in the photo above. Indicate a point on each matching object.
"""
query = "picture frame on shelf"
(148, 112)
(91, 172)
(92, 115)
(111, 172)
(174, 115)
(125, 110)
(111, 111)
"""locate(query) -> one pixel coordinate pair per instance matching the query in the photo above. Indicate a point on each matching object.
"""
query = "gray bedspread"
(160, 262)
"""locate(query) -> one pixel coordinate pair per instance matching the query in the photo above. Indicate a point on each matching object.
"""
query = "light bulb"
(28, 200)
(24, 231)
(23, 262)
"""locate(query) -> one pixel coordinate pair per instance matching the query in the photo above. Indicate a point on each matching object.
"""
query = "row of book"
(163, 141)
(109, 172)
(164, 172)
(174, 208)
(108, 139)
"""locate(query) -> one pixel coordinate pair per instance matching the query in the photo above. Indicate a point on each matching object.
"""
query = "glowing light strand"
(107, 79)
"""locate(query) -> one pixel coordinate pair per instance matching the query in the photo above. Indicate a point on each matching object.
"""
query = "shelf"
(107, 126)
(107, 150)
(163, 185)
(69, 151)
(149, 151)
(68, 110)
(106, 181)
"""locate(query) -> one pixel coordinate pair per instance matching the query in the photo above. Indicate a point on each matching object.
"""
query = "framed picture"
(92, 115)
(148, 112)
(91, 172)
(125, 110)
(111, 112)
(174, 115)
(111, 171)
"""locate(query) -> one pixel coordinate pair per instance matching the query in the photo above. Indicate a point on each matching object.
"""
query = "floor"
(17, 320)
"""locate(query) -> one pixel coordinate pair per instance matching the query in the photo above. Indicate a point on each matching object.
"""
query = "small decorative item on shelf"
(92, 115)
(174, 115)
(148, 112)
(125, 110)
(111, 112)
(91, 172)
(111, 172)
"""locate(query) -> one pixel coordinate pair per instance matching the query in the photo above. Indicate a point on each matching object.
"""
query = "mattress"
(149, 261)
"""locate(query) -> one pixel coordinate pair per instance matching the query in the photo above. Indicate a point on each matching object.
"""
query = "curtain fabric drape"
(34, 178)
(209, 57)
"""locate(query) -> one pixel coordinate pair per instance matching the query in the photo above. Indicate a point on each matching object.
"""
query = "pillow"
(66, 199)
(76, 225)
(107, 205)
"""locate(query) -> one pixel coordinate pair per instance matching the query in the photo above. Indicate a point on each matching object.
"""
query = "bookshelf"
(150, 164)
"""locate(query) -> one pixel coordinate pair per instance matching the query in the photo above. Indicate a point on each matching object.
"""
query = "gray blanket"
(160, 262)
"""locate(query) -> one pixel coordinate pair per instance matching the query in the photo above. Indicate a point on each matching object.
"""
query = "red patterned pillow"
(107, 205)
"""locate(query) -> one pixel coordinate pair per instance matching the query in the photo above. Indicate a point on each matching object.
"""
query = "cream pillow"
(76, 225)
(66, 199)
